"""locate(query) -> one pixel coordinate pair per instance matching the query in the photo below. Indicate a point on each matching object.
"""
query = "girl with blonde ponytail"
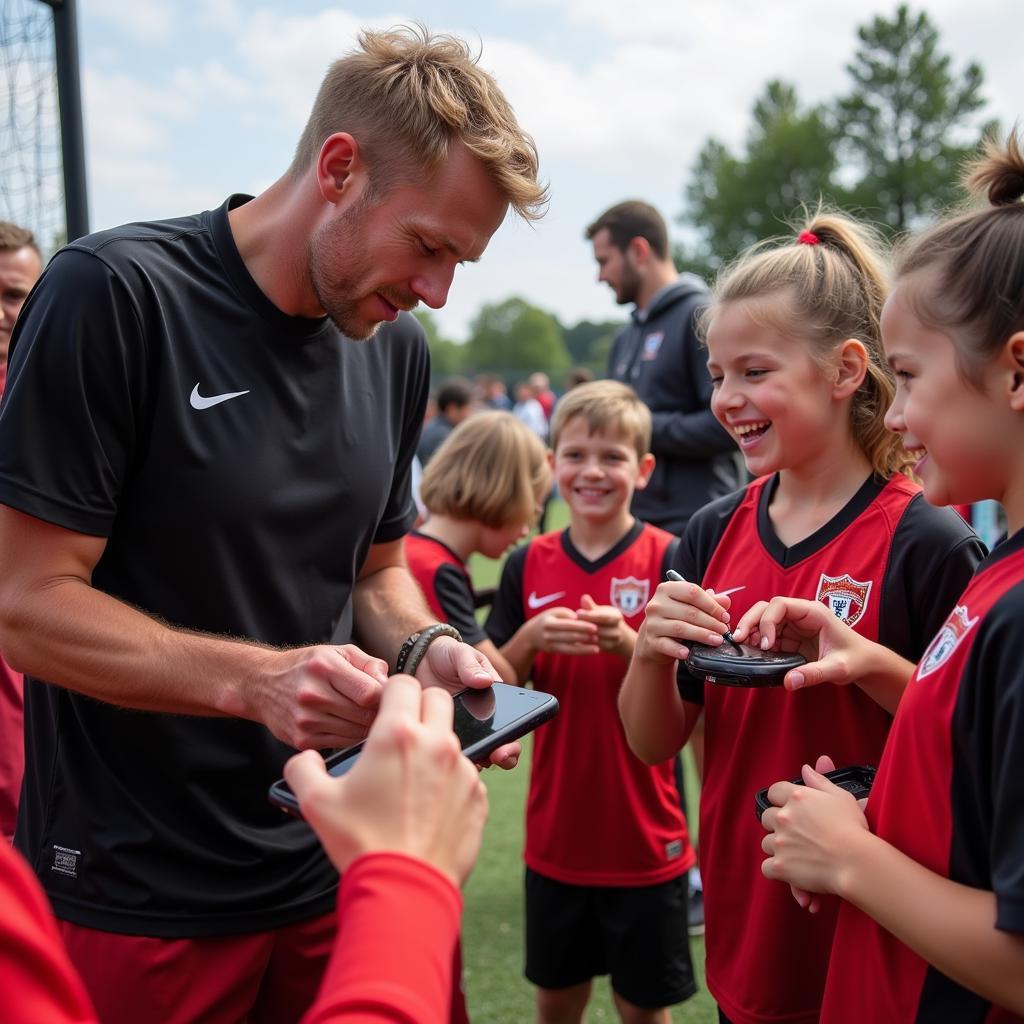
(932, 923)
(832, 516)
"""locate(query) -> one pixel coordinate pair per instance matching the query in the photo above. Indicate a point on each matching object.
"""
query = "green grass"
(492, 932)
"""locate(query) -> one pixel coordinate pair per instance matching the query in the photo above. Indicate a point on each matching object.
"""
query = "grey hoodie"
(659, 355)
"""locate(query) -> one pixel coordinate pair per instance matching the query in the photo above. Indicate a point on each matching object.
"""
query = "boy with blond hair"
(607, 852)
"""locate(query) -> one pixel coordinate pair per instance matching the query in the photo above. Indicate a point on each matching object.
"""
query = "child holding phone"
(607, 853)
(483, 490)
(931, 926)
(800, 381)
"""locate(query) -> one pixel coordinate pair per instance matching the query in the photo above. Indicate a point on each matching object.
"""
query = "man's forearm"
(388, 606)
(78, 637)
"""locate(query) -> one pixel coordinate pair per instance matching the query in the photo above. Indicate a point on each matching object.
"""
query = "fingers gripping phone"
(855, 779)
(484, 720)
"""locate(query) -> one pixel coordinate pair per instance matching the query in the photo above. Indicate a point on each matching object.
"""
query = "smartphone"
(856, 779)
(484, 720)
(741, 665)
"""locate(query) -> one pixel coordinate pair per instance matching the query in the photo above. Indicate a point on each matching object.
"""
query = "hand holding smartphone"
(855, 779)
(484, 720)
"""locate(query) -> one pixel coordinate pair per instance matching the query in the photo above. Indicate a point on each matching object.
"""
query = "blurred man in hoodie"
(658, 353)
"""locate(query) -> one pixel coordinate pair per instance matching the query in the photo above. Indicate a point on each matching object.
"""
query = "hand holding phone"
(410, 792)
(855, 779)
(483, 721)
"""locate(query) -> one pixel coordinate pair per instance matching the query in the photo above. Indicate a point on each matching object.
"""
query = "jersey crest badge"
(651, 345)
(630, 594)
(844, 596)
(946, 641)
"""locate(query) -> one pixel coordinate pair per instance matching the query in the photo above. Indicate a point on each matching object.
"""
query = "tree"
(445, 355)
(734, 201)
(900, 124)
(588, 343)
(515, 337)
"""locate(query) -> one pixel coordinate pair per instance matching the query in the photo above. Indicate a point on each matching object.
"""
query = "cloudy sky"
(190, 100)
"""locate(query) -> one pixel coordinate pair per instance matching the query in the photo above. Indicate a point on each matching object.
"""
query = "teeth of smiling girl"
(750, 428)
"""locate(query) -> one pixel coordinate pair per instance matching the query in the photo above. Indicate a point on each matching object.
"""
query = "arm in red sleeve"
(392, 961)
(36, 978)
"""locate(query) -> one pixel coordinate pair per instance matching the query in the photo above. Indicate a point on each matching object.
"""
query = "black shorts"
(638, 936)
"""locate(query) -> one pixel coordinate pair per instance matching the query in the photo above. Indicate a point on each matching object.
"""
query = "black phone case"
(855, 779)
(741, 664)
(281, 795)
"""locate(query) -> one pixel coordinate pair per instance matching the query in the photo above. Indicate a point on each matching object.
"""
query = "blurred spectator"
(659, 354)
(529, 410)
(493, 393)
(454, 404)
(576, 376)
(541, 387)
(20, 266)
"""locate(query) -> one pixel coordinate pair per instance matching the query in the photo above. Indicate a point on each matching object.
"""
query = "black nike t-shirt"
(239, 462)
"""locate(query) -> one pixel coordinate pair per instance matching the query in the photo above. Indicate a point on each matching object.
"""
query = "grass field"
(492, 930)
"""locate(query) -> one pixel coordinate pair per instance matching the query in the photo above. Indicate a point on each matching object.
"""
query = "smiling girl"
(800, 381)
(932, 923)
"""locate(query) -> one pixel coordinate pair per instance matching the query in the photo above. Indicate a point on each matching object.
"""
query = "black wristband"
(413, 651)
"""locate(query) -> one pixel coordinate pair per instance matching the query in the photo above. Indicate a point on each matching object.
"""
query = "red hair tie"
(808, 238)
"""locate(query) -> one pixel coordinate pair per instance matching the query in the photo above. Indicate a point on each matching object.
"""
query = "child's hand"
(812, 830)
(834, 652)
(613, 634)
(681, 613)
(562, 631)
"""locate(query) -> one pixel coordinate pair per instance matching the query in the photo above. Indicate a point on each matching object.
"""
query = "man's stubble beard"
(339, 294)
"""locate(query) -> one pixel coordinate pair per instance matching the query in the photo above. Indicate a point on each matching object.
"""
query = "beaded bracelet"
(414, 650)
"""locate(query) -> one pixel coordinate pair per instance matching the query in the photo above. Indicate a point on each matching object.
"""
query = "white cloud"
(197, 85)
(123, 114)
(145, 20)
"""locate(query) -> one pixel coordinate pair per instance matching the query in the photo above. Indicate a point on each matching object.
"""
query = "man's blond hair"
(606, 407)
(491, 468)
(406, 95)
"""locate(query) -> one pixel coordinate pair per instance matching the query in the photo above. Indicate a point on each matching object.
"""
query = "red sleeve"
(36, 978)
(12, 747)
(392, 962)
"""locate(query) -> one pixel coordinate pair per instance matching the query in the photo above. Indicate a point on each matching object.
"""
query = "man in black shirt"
(204, 484)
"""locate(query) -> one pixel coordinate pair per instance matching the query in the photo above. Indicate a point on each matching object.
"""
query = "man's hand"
(411, 790)
(455, 666)
(318, 697)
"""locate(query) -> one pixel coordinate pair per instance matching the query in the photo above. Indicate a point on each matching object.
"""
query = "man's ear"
(1014, 353)
(851, 367)
(646, 468)
(639, 251)
(340, 169)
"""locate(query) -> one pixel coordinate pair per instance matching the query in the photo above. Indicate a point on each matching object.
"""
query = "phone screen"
(483, 720)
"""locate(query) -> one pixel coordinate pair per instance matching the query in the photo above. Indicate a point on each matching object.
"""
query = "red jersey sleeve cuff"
(398, 921)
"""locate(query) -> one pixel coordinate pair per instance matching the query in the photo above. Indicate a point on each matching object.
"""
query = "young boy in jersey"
(483, 490)
(607, 853)
(800, 381)
(931, 924)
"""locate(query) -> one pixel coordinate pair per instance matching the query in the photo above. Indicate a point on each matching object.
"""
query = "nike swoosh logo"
(723, 593)
(197, 401)
(535, 602)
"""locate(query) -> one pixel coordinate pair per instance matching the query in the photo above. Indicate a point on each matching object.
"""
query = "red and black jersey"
(596, 815)
(891, 566)
(444, 580)
(950, 795)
